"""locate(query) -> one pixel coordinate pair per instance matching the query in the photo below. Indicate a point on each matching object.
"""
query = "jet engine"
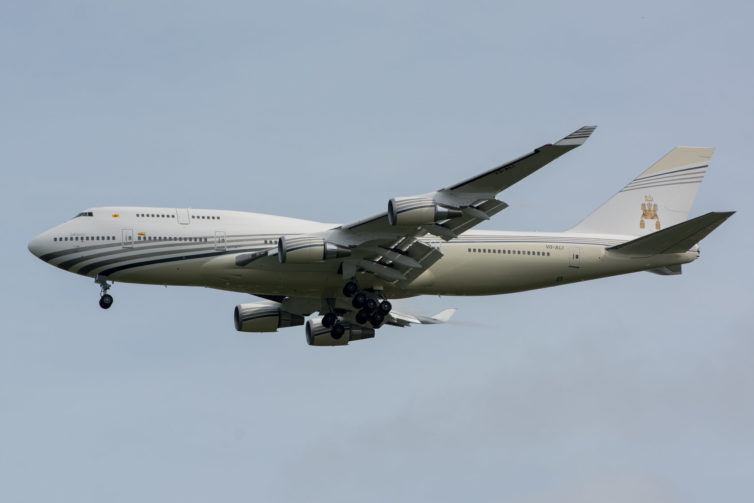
(308, 250)
(264, 317)
(319, 335)
(418, 211)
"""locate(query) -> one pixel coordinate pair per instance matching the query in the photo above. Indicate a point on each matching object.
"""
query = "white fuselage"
(198, 248)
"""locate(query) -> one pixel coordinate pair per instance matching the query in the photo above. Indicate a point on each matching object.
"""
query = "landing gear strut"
(105, 299)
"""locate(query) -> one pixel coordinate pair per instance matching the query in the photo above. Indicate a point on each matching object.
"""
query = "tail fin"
(658, 198)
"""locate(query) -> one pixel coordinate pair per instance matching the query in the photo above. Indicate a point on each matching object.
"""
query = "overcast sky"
(635, 388)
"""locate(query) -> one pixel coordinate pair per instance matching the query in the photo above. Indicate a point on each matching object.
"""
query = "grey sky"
(624, 389)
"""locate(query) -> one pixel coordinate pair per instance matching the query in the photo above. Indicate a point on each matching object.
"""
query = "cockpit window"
(85, 214)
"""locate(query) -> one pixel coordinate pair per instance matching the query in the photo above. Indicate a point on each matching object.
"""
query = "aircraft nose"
(36, 245)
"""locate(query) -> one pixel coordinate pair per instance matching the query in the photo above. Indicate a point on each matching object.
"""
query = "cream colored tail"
(658, 198)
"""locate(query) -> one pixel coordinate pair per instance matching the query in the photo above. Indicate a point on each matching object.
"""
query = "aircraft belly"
(178, 274)
(272, 278)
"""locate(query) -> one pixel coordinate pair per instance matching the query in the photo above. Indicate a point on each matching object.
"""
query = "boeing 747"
(420, 245)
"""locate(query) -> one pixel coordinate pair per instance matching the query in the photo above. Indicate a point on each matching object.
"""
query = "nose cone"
(36, 245)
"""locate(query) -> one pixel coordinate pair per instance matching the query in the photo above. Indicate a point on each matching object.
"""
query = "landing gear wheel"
(385, 307)
(376, 319)
(337, 331)
(362, 317)
(106, 301)
(329, 320)
(359, 300)
(371, 305)
(350, 289)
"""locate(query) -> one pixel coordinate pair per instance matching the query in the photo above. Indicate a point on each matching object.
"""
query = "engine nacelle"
(418, 211)
(319, 335)
(264, 317)
(308, 250)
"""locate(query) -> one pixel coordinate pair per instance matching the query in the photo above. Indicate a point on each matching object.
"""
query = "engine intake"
(308, 250)
(418, 211)
(264, 317)
(319, 335)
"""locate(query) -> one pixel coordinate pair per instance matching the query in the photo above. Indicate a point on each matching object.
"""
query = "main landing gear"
(105, 299)
(372, 306)
(331, 321)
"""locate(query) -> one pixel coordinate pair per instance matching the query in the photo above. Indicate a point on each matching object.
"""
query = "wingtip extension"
(577, 138)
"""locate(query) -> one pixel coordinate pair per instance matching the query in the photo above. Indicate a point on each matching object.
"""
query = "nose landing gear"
(105, 299)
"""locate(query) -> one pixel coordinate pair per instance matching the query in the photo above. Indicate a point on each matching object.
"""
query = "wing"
(387, 244)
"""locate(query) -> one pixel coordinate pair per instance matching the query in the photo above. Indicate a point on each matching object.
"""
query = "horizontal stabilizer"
(444, 316)
(403, 319)
(678, 238)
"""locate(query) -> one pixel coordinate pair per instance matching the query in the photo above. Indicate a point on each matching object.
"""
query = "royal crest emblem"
(649, 212)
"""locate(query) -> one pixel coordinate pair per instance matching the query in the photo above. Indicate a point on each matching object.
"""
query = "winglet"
(577, 138)
(445, 315)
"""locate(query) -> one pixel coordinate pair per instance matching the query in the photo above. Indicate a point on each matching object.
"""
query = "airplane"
(420, 245)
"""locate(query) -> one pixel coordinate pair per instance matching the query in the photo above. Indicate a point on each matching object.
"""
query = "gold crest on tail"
(649, 212)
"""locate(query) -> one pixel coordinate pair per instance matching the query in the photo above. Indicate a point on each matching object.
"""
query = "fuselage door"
(220, 241)
(574, 257)
(128, 238)
(182, 215)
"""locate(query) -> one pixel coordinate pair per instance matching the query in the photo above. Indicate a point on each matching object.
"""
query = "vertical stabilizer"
(658, 198)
